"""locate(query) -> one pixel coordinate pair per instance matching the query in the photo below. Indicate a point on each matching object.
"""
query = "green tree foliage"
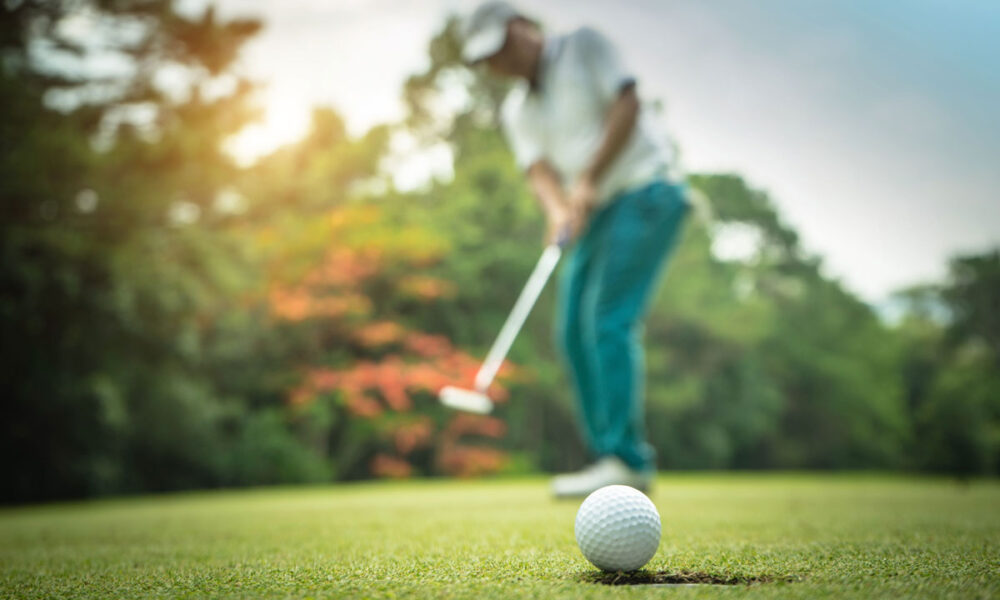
(831, 359)
(171, 320)
(973, 296)
(121, 351)
(951, 369)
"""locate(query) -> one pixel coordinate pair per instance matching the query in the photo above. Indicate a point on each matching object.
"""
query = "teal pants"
(605, 286)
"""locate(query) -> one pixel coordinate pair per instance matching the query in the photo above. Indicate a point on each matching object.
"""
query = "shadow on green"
(644, 577)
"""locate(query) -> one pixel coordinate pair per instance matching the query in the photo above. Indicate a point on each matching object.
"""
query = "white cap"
(485, 30)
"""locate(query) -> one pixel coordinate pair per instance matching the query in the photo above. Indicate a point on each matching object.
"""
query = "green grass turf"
(808, 536)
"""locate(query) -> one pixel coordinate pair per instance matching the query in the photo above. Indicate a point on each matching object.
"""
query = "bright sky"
(874, 124)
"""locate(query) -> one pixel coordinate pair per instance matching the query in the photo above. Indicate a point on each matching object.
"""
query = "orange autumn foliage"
(411, 436)
(427, 345)
(470, 461)
(426, 288)
(392, 380)
(344, 267)
(384, 465)
(408, 364)
(297, 304)
(469, 424)
(379, 333)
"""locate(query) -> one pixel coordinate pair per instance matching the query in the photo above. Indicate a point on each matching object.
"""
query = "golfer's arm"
(618, 126)
(547, 186)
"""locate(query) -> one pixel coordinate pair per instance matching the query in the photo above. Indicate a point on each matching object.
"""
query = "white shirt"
(563, 120)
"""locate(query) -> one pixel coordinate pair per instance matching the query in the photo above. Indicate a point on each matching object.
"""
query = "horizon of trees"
(172, 320)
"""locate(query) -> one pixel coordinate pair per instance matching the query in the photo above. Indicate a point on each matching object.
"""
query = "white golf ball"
(618, 528)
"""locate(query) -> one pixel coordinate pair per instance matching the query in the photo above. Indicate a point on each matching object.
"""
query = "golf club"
(476, 400)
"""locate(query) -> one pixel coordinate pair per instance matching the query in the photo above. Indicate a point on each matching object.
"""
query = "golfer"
(574, 123)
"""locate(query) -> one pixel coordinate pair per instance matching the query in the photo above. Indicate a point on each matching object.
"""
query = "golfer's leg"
(644, 229)
(569, 336)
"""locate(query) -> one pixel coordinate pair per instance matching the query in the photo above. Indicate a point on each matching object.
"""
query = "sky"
(872, 124)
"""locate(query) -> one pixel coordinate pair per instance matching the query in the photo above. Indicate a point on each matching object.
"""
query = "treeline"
(172, 321)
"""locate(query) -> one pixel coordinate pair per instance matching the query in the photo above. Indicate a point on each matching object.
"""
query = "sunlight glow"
(736, 242)
(286, 119)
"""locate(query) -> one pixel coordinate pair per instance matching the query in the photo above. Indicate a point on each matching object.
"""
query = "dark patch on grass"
(678, 578)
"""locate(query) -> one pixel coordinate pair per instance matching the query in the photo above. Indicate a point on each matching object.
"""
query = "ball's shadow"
(644, 577)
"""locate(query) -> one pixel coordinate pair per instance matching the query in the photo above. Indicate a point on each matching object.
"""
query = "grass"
(765, 535)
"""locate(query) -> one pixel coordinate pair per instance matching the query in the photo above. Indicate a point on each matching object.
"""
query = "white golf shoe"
(609, 470)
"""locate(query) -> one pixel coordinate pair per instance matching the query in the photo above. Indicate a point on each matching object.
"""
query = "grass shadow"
(677, 578)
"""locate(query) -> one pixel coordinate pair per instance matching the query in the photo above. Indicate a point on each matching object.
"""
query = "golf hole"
(682, 578)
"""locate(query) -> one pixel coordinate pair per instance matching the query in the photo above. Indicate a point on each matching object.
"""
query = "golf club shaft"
(536, 283)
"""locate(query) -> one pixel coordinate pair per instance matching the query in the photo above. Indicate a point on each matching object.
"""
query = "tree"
(951, 370)
(117, 271)
(974, 299)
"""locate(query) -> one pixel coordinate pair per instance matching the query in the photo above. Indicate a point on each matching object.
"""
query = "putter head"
(466, 400)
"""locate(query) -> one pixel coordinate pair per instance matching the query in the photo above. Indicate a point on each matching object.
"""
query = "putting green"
(795, 535)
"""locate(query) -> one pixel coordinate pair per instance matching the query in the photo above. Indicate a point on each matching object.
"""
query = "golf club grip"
(532, 289)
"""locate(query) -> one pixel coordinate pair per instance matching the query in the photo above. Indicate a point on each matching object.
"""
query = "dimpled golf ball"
(618, 528)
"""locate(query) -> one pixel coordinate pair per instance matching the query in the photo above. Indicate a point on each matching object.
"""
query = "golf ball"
(618, 528)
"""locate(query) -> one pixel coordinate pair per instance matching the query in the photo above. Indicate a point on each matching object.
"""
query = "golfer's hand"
(559, 225)
(582, 202)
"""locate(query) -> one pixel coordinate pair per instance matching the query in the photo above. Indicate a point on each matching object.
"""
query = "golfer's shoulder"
(584, 41)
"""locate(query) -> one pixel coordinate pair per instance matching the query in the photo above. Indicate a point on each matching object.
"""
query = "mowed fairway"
(804, 536)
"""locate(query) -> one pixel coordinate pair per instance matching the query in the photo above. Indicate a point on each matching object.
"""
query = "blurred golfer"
(575, 125)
